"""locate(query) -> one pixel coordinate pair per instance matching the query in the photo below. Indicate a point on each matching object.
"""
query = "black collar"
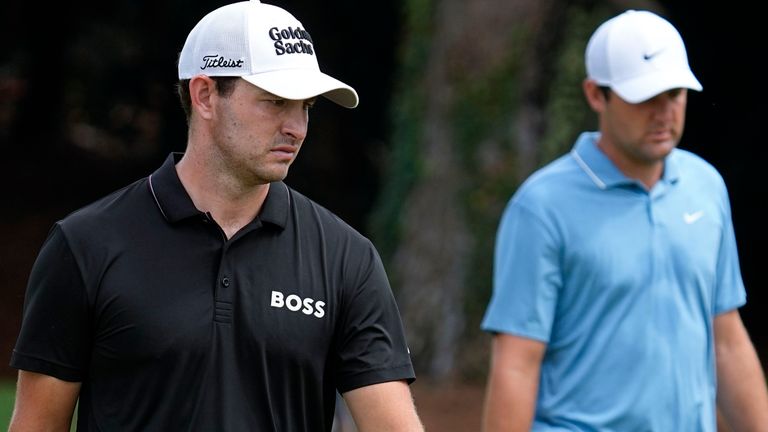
(175, 204)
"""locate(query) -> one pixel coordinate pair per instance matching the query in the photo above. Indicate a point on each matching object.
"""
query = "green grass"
(7, 394)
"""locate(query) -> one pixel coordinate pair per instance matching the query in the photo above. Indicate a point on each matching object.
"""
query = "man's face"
(646, 132)
(257, 135)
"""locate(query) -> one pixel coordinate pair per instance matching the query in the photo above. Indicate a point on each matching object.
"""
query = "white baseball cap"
(639, 55)
(266, 46)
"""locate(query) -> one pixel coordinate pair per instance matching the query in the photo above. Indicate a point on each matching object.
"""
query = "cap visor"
(300, 84)
(641, 89)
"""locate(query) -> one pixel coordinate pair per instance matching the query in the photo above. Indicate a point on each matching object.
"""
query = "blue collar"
(604, 173)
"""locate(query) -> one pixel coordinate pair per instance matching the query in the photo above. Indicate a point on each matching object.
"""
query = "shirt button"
(225, 282)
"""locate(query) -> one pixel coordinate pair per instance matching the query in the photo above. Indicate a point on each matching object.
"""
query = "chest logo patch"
(294, 303)
(690, 218)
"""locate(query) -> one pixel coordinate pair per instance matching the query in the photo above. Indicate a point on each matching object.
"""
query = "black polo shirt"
(172, 327)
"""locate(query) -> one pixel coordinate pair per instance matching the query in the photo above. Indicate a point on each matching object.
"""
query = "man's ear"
(201, 91)
(594, 95)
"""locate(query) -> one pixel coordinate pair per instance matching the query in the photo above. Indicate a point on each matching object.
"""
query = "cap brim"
(649, 85)
(300, 84)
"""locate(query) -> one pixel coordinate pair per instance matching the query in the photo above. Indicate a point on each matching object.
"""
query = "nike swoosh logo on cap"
(649, 56)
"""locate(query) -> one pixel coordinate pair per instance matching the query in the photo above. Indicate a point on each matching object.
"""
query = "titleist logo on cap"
(283, 41)
(217, 61)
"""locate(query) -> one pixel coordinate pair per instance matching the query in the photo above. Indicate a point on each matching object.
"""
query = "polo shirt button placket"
(223, 301)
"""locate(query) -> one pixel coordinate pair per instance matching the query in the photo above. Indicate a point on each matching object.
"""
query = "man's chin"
(276, 176)
(662, 149)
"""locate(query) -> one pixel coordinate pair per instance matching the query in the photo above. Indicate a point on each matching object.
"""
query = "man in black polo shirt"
(210, 296)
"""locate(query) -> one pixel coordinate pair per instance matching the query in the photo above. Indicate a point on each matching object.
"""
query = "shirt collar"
(175, 203)
(602, 170)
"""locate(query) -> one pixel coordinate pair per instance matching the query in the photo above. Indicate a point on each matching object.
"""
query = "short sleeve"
(729, 285)
(526, 276)
(54, 336)
(372, 347)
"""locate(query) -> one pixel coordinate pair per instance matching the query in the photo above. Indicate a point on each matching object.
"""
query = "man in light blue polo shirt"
(616, 275)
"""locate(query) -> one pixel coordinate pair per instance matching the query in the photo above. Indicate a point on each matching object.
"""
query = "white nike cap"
(639, 55)
(266, 46)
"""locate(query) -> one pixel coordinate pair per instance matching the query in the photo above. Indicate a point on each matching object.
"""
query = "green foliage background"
(7, 393)
(483, 110)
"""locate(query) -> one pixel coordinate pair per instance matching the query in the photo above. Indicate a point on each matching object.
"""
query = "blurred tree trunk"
(489, 90)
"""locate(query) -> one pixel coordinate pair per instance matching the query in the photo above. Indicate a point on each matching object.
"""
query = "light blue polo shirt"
(623, 285)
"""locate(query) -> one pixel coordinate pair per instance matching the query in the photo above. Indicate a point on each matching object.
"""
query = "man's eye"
(278, 102)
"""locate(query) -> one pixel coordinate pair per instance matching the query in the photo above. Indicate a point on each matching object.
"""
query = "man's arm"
(513, 383)
(43, 403)
(386, 406)
(741, 391)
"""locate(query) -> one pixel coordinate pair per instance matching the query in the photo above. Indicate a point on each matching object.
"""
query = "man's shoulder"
(692, 165)
(121, 203)
(308, 211)
(552, 179)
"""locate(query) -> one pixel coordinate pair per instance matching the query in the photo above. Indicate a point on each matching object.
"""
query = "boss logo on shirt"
(295, 303)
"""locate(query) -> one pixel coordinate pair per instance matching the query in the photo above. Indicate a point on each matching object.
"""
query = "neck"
(232, 204)
(646, 172)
